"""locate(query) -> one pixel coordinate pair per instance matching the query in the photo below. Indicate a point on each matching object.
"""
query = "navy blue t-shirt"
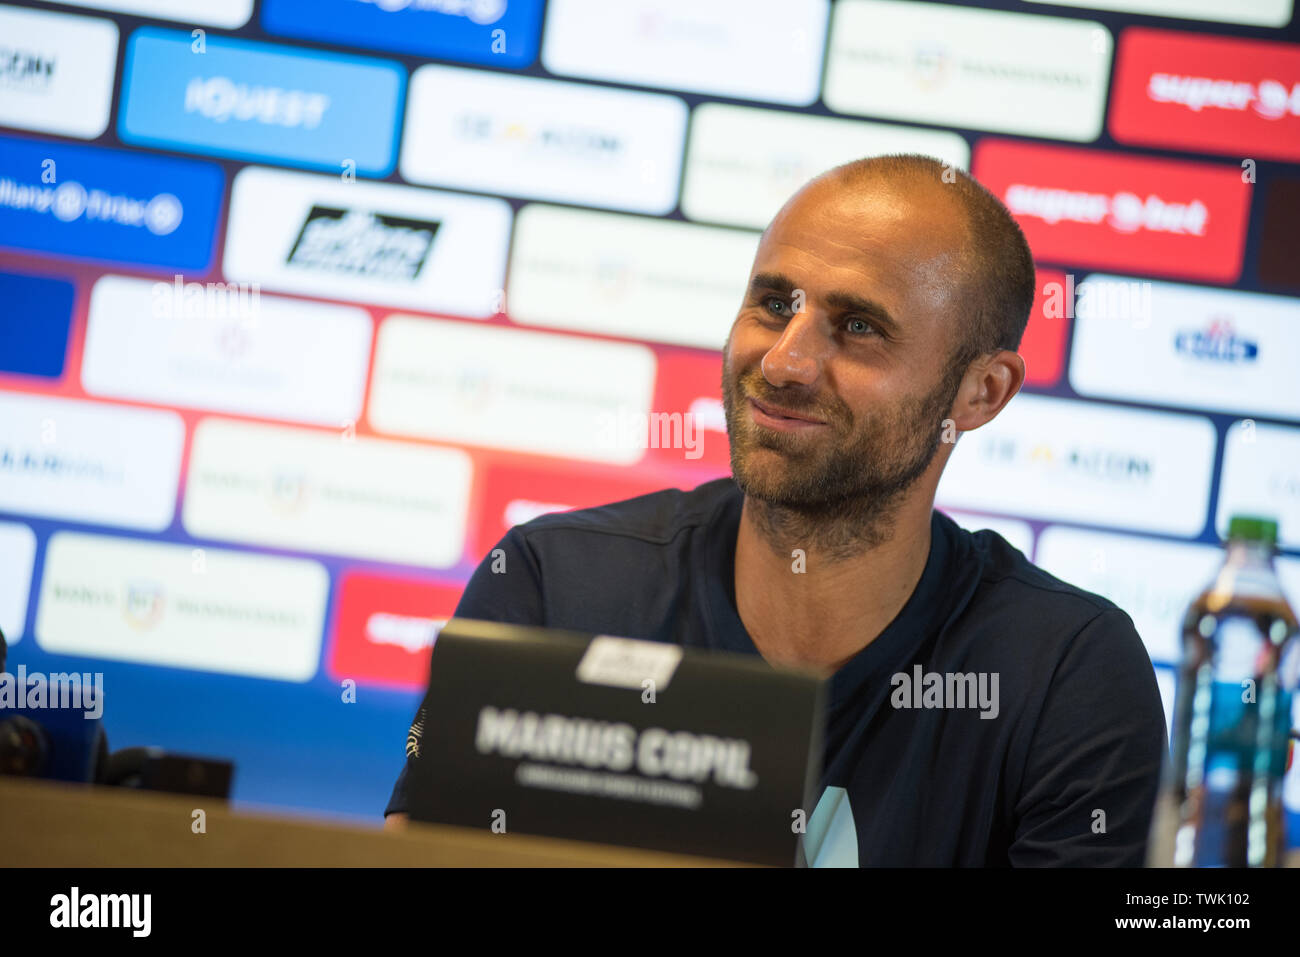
(1066, 771)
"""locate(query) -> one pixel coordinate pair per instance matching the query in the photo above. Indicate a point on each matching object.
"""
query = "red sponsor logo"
(385, 629)
(1132, 214)
(1206, 93)
(1043, 345)
(690, 386)
(514, 494)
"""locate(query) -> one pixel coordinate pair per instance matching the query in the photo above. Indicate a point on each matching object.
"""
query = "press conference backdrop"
(303, 303)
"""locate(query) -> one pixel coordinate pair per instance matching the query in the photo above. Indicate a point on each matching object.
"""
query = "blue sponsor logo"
(108, 205)
(496, 32)
(254, 101)
(35, 315)
(1218, 342)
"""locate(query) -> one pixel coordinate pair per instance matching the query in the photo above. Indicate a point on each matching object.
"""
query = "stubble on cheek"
(801, 459)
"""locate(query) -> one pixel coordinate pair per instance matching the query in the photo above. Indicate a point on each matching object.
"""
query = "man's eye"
(859, 327)
(776, 306)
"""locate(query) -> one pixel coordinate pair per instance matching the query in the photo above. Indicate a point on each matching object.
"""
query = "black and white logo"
(363, 243)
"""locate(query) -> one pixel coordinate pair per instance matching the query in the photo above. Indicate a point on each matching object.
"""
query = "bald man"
(884, 307)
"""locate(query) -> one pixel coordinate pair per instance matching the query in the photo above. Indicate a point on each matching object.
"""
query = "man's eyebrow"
(847, 301)
(852, 302)
(772, 282)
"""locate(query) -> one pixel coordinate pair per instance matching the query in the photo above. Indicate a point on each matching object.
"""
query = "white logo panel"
(521, 136)
(651, 279)
(511, 389)
(747, 49)
(1261, 476)
(56, 72)
(958, 66)
(744, 163)
(233, 350)
(1263, 13)
(89, 461)
(368, 242)
(325, 492)
(1191, 347)
(1075, 461)
(217, 13)
(209, 609)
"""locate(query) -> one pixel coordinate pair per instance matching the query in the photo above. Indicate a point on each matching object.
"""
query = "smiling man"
(980, 712)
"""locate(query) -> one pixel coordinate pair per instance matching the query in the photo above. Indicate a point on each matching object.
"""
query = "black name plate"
(618, 741)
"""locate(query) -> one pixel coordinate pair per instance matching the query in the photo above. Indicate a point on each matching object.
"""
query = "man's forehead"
(880, 229)
(873, 210)
(900, 249)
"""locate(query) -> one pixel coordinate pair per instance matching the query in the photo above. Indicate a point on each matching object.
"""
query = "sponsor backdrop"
(303, 303)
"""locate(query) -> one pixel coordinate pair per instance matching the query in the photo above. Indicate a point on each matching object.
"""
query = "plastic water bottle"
(1220, 802)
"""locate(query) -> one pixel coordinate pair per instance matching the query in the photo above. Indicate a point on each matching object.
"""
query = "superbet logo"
(1125, 212)
(1137, 214)
(512, 494)
(1270, 99)
(1207, 93)
(385, 627)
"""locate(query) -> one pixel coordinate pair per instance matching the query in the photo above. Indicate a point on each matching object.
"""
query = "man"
(884, 306)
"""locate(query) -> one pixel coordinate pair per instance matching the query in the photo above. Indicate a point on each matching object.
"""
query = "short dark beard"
(846, 503)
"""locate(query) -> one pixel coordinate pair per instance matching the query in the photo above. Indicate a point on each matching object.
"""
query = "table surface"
(54, 824)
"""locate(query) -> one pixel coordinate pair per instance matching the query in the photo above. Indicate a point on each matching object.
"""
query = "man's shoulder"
(655, 518)
(1014, 588)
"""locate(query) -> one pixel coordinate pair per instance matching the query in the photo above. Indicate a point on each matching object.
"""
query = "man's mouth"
(785, 420)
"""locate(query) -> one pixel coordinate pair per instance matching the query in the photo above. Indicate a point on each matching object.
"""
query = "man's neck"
(813, 594)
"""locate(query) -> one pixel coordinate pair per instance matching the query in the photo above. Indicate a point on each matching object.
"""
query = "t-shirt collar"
(944, 588)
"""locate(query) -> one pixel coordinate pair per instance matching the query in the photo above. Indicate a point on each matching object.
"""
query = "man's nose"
(797, 357)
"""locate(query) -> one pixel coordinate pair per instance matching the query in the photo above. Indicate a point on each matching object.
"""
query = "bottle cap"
(1253, 528)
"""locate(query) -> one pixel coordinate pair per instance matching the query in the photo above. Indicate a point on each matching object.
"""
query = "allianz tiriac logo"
(1218, 342)
(160, 214)
(106, 204)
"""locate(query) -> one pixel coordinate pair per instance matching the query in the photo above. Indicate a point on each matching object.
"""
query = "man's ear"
(989, 384)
